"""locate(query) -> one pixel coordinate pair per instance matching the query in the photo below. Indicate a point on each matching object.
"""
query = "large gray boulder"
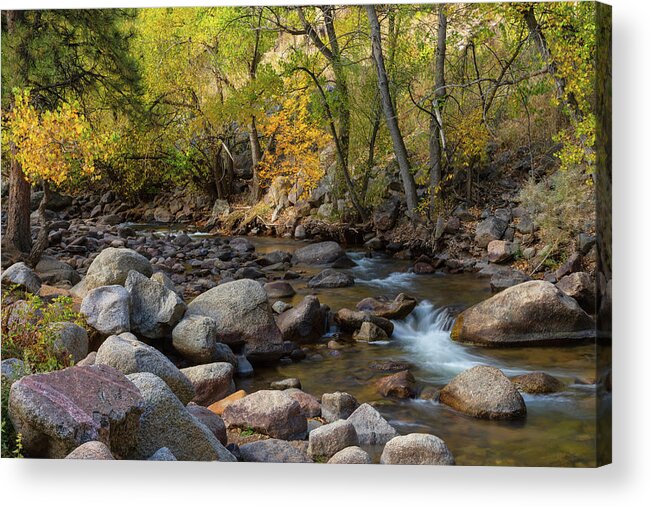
(21, 275)
(484, 392)
(488, 230)
(165, 422)
(323, 253)
(272, 450)
(325, 441)
(352, 455)
(243, 315)
(371, 427)
(532, 313)
(107, 309)
(195, 337)
(212, 382)
(351, 320)
(155, 309)
(51, 271)
(125, 353)
(416, 449)
(303, 323)
(581, 287)
(112, 266)
(57, 412)
(330, 279)
(271, 413)
(70, 339)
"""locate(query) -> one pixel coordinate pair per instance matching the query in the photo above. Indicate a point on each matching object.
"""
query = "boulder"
(350, 320)
(383, 307)
(162, 454)
(581, 287)
(91, 450)
(13, 369)
(107, 309)
(484, 392)
(112, 266)
(325, 441)
(532, 313)
(371, 427)
(70, 339)
(571, 265)
(488, 230)
(271, 413)
(352, 455)
(57, 412)
(279, 289)
(310, 406)
(369, 332)
(125, 353)
(537, 383)
(51, 271)
(397, 385)
(280, 307)
(303, 323)
(242, 313)
(501, 251)
(330, 279)
(23, 276)
(286, 383)
(507, 278)
(219, 406)
(337, 405)
(154, 309)
(165, 422)
(195, 338)
(385, 215)
(322, 253)
(211, 420)
(272, 450)
(416, 449)
(212, 382)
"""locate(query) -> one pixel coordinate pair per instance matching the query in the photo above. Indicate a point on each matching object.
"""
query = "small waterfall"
(425, 334)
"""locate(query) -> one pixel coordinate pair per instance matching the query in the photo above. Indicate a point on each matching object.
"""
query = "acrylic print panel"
(334, 234)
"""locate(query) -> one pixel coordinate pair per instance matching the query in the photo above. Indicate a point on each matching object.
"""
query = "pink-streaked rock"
(59, 411)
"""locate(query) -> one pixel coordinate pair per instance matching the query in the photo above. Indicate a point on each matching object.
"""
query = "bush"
(27, 335)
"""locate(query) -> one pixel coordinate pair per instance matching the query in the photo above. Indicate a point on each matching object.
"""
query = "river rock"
(581, 287)
(371, 427)
(57, 412)
(242, 313)
(571, 265)
(538, 383)
(112, 266)
(303, 323)
(325, 441)
(398, 385)
(488, 230)
(369, 332)
(154, 309)
(330, 279)
(271, 413)
(165, 422)
(286, 383)
(484, 392)
(125, 353)
(383, 307)
(195, 338)
(91, 450)
(162, 454)
(23, 276)
(352, 455)
(337, 405)
(212, 382)
(501, 251)
(310, 406)
(211, 420)
(416, 449)
(532, 313)
(51, 271)
(107, 309)
(507, 278)
(322, 253)
(70, 339)
(279, 289)
(280, 307)
(272, 450)
(351, 320)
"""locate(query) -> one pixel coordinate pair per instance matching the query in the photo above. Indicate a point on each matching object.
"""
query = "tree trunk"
(435, 151)
(42, 240)
(18, 225)
(390, 113)
(256, 155)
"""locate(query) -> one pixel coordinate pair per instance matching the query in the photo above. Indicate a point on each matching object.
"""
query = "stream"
(559, 429)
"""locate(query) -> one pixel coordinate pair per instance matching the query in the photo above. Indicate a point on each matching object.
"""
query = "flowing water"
(559, 429)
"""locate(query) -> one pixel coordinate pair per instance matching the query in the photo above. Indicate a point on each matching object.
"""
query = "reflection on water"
(559, 429)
